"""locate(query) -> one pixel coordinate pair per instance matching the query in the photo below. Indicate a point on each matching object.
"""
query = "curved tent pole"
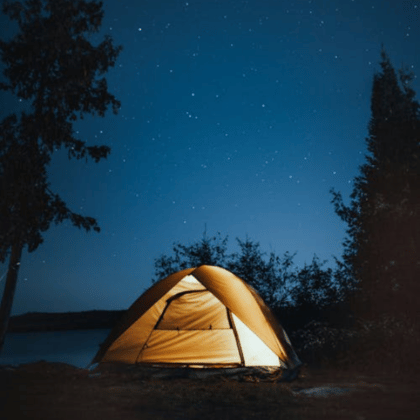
(233, 326)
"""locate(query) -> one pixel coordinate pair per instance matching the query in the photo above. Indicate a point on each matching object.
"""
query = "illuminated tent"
(199, 317)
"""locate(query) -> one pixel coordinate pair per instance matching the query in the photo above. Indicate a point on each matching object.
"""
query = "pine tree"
(382, 248)
(51, 65)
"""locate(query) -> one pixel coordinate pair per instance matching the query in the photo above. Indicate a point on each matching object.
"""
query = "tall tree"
(51, 64)
(383, 244)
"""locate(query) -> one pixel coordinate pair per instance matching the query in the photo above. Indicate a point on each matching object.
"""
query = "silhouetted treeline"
(58, 321)
(296, 295)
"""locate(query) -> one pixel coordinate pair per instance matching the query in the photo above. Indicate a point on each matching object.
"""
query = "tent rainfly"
(199, 317)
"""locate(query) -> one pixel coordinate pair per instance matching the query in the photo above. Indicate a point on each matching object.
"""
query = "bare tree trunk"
(9, 291)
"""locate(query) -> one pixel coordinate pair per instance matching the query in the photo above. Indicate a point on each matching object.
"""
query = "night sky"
(237, 115)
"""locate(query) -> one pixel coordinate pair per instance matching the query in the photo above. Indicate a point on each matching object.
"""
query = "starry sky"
(238, 115)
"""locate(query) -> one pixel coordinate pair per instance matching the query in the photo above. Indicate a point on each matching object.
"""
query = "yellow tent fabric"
(203, 316)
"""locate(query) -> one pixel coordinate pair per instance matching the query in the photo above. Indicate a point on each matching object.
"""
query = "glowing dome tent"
(199, 317)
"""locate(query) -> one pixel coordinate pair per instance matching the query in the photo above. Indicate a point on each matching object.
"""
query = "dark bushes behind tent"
(310, 302)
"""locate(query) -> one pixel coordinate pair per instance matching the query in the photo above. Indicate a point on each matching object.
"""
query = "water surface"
(77, 347)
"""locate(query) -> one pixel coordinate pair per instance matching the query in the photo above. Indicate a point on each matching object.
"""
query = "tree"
(270, 277)
(267, 277)
(296, 296)
(51, 64)
(383, 218)
(207, 251)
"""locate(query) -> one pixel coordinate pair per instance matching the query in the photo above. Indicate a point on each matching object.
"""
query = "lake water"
(76, 347)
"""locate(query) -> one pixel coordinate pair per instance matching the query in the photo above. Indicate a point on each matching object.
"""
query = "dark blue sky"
(236, 114)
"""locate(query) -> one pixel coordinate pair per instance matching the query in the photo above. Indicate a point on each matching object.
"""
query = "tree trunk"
(9, 291)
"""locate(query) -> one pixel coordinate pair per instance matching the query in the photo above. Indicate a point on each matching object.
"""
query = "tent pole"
(233, 326)
(157, 323)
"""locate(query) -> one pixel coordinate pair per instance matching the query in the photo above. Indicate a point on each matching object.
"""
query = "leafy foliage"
(269, 276)
(52, 65)
(291, 293)
(207, 251)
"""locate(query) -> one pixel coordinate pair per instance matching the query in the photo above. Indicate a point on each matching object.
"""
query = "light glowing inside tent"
(255, 351)
(189, 324)
(190, 279)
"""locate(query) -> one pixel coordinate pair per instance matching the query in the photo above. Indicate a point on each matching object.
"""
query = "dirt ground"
(59, 391)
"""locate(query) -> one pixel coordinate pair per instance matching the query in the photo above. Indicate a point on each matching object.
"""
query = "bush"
(308, 294)
(387, 345)
(318, 343)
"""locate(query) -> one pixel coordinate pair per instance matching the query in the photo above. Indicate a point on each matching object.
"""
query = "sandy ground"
(59, 391)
